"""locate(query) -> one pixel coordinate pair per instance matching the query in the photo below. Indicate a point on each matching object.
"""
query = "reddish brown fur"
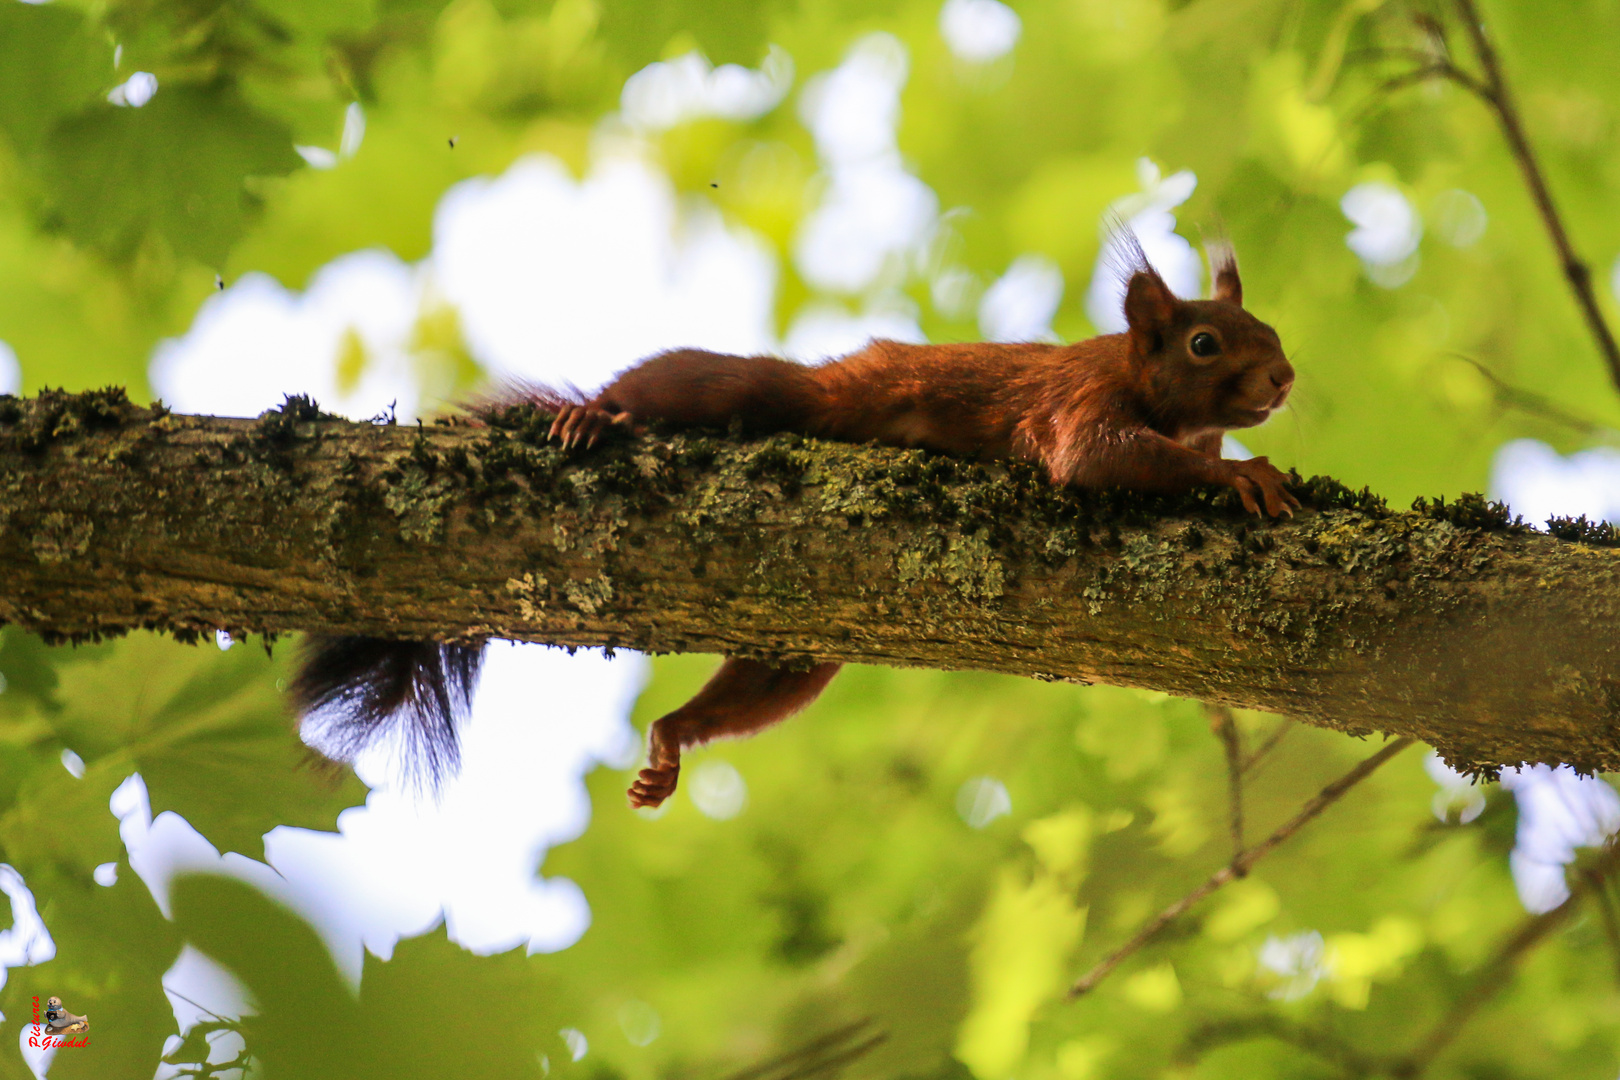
(1143, 410)
(742, 697)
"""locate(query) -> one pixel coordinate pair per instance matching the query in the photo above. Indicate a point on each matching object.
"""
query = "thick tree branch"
(1445, 623)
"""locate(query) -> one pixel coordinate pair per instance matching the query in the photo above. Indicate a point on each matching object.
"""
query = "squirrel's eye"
(1204, 345)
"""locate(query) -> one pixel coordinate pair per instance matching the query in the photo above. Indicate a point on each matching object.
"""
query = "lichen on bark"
(1449, 622)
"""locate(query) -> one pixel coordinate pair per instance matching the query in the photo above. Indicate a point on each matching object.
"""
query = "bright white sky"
(564, 280)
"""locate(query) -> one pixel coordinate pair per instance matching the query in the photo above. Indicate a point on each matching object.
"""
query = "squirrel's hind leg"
(576, 423)
(743, 697)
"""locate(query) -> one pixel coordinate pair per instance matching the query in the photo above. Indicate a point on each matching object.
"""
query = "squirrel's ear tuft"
(1150, 307)
(1223, 269)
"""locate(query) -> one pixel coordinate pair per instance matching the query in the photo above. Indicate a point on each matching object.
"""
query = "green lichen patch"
(966, 564)
(419, 503)
(781, 574)
(60, 537)
(532, 591)
(592, 531)
(589, 595)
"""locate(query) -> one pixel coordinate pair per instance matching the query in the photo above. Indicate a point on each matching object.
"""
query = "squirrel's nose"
(1282, 380)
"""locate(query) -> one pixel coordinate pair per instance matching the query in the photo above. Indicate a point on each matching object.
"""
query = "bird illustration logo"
(58, 1021)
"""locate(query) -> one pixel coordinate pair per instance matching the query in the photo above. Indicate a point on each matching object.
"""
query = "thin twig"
(1391, 52)
(1253, 761)
(167, 989)
(1239, 866)
(834, 1062)
(1599, 886)
(1496, 93)
(1498, 971)
(1441, 69)
(1224, 725)
(1313, 1040)
(1528, 401)
(826, 1052)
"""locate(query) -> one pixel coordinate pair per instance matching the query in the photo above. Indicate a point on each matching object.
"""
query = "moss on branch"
(1450, 622)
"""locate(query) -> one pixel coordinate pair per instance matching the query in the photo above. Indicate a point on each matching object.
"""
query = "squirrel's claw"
(583, 424)
(560, 421)
(1259, 476)
(1245, 489)
(559, 424)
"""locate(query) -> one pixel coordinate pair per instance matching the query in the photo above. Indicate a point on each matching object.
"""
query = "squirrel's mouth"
(1259, 414)
(1248, 416)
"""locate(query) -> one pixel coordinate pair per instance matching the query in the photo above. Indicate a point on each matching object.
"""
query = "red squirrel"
(1144, 410)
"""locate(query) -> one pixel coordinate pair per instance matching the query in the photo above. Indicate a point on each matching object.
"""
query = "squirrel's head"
(1204, 363)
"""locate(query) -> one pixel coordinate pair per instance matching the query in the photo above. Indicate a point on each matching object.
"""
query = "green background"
(850, 897)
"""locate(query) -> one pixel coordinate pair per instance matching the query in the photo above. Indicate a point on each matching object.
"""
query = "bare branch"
(1210, 1036)
(825, 1054)
(1261, 752)
(1239, 866)
(1498, 95)
(1598, 884)
(1534, 404)
(1440, 70)
(1224, 725)
(1498, 972)
(1493, 90)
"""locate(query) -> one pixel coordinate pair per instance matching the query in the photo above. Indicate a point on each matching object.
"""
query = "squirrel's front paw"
(1259, 477)
(653, 786)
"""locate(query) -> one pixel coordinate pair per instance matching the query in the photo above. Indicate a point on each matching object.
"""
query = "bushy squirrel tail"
(352, 691)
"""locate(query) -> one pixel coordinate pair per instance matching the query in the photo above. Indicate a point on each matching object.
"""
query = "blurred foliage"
(852, 900)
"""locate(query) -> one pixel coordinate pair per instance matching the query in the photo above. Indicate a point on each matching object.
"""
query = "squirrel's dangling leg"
(741, 698)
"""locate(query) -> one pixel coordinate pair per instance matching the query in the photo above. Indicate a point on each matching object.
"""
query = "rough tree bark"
(1450, 623)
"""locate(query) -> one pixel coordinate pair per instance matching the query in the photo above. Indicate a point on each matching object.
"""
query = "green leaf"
(433, 1010)
(51, 63)
(175, 169)
(208, 731)
(112, 948)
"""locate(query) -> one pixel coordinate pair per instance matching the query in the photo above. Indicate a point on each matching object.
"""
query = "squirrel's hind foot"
(653, 786)
(576, 424)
